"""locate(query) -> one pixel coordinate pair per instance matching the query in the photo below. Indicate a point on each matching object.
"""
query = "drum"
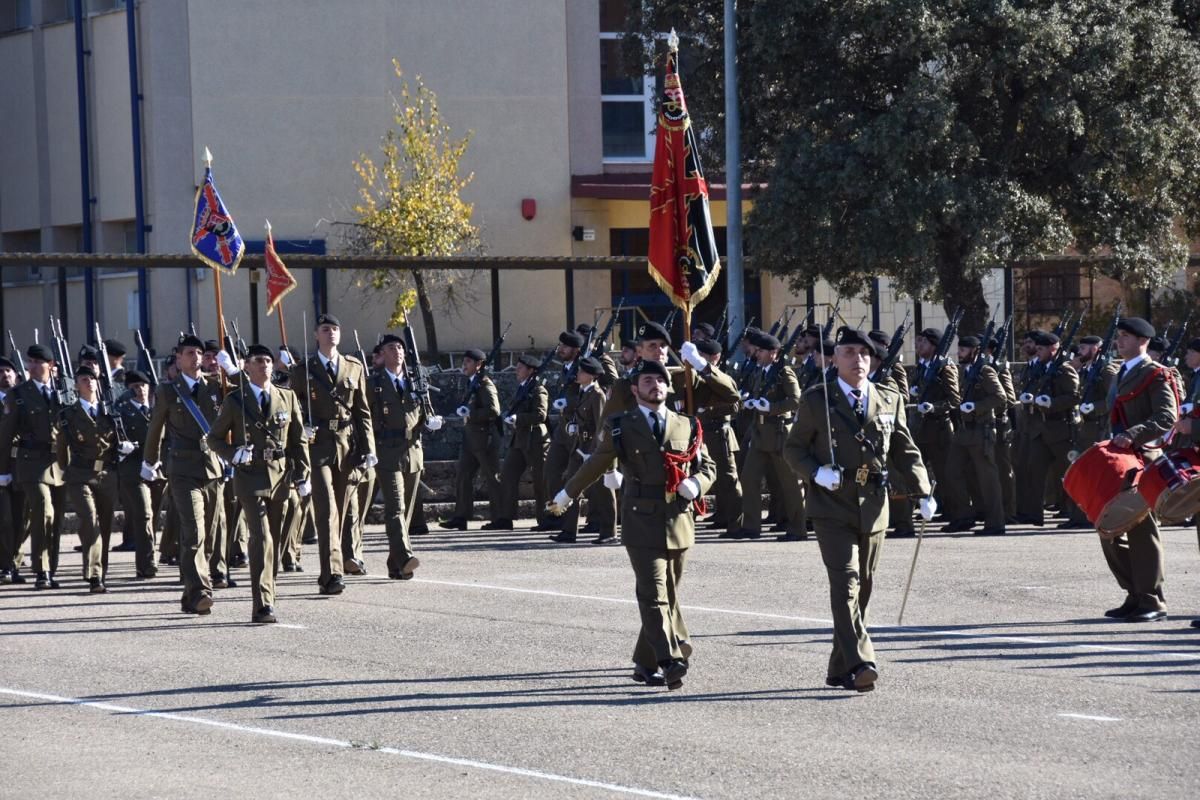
(1171, 485)
(1103, 483)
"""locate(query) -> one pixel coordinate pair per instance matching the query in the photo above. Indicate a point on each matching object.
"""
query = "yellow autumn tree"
(410, 204)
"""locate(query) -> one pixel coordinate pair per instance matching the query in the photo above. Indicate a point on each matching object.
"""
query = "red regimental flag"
(279, 280)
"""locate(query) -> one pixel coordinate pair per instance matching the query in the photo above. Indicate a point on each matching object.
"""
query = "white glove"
(310, 432)
(828, 478)
(511, 419)
(226, 363)
(914, 390)
(678, 405)
(1026, 398)
(149, 472)
(967, 407)
(1184, 409)
(689, 353)
(928, 508)
(434, 423)
(304, 488)
(613, 480)
(560, 404)
(745, 396)
(126, 447)
(924, 408)
(285, 358)
(243, 455)
(689, 489)
(370, 461)
(1087, 408)
(1043, 400)
(572, 429)
(5, 479)
(559, 505)
(761, 404)
(463, 412)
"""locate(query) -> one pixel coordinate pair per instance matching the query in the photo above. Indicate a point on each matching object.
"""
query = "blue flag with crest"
(215, 237)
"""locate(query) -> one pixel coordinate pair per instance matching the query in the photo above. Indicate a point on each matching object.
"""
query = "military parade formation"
(238, 455)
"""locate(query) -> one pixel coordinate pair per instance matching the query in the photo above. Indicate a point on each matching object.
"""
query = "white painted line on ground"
(1091, 717)
(322, 740)
(1149, 651)
(290, 626)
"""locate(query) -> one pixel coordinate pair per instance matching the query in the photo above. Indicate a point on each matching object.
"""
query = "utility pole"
(734, 277)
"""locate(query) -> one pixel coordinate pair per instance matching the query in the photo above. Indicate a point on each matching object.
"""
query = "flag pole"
(208, 159)
(687, 368)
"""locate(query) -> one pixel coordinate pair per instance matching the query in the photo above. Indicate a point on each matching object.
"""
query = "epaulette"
(353, 359)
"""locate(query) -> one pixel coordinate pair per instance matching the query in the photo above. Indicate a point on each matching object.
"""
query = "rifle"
(599, 342)
(670, 320)
(239, 341)
(108, 395)
(976, 368)
(827, 330)
(418, 381)
(725, 356)
(1046, 379)
(776, 368)
(137, 336)
(787, 324)
(1168, 358)
(1062, 323)
(723, 327)
(64, 374)
(490, 358)
(21, 373)
(775, 326)
(893, 352)
(929, 377)
(361, 355)
(1000, 360)
(1102, 360)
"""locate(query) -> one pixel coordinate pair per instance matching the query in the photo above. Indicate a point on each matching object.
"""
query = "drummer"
(1144, 409)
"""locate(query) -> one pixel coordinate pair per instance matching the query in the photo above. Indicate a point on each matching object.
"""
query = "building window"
(15, 15)
(628, 97)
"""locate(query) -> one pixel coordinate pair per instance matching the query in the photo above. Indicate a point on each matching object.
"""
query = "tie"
(857, 397)
(92, 412)
(656, 426)
(399, 386)
(265, 404)
(332, 373)
(196, 390)
(49, 396)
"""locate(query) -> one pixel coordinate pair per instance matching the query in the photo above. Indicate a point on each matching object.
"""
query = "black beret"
(529, 361)
(880, 338)
(853, 336)
(259, 350)
(85, 372)
(1157, 343)
(328, 319)
(1137, 326)
(6, 364)
(1044, 338)
(133, 376)
(934, 335)
(474, 354)
(767, 342)
(1091, 340)
(752, 329)
(89, 353)
(968, 341)
(390, 338)
(188, 340)
(705, 328)
(628, 344)
(1194, 344)
(583, 329)
(653, 332)
(211, 346)
(653, 368)
(114, 347)
(591, 366)
(813, 330)
(377, 349)
(709, 347)
(827, 347)
(570, 339)
(40, 352)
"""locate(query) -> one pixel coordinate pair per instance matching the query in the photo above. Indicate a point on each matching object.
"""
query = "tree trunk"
(960, 289)
(426, 305)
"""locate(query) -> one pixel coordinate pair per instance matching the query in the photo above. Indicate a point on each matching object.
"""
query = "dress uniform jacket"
(399, 417)
(139, 499)
(764, 460)
(972, 466)
(87, 454)
(602, 501)
(31, 423)
(480, 451)
(340, 414)
(527, 448)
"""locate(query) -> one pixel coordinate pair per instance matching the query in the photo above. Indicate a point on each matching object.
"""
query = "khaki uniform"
(1136, 558)
(263, 486)
(527, 450)
(900, 510)
(558, 454)
(972, 452)
(851, 521)
(656, 528)
(87, 454)
(31, 421)
(341, 418)
(1091, 427)
(193, 474)
(1005, 437)
(398, 420)
(480, 451)
(934, 432)
(12, 517)
(1046, 441)
(602, 501)
(717, 403)
(139, 499)
(764, 455)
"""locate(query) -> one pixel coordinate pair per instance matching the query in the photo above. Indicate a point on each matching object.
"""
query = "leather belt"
(632, 489)
(41, 447)
(273, 453)
(334, 425)
(99, 465)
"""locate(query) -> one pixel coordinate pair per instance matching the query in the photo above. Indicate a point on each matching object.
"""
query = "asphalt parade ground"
(503, 670)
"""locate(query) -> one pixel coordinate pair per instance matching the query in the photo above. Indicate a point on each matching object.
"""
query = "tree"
(932, 141)
(410, 204)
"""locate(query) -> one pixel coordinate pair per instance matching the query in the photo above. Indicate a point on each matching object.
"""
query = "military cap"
(6, 364)
(188, 340)
(259, 350)
(628, 344)
(751, 329)
(1137, 326)
(766, 341)
(570, 339)
(653, 332)
(709, 347)
(880, 338)
(591, 366)
(1091, 340)
(1194, 344)
(88, 353)
(474, 354)
(328, 319)
(390, 338)
(583, 329)
(377, 349)
(170, 360)
(705, 328)
(1158, 344)
(39, 351)
(211, 346)
(133, 376)
(853, 336)
(1044, 338)
(827, 347)
(84, 372)
(653, 368)
(969, 341)
(529, 361)
(114, 347)
(934, 335)
(813, 331)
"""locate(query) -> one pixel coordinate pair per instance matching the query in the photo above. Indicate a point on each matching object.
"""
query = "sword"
(913, 568)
